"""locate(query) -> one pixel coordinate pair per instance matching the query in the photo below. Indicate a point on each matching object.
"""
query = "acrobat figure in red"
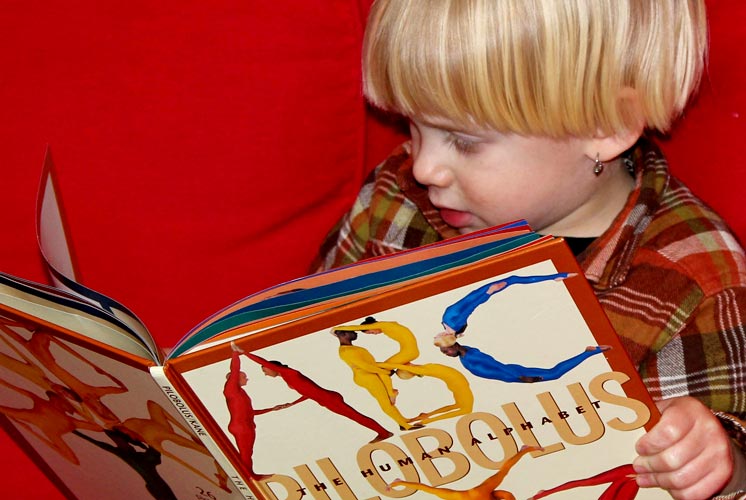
(308, 389)
(242, 413)
(623, 485)
(455, 317)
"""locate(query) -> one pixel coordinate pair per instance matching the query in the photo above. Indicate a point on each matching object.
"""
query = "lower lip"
(455, 218)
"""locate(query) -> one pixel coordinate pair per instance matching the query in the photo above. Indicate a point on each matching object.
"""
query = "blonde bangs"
(439, 58)
(536, 67)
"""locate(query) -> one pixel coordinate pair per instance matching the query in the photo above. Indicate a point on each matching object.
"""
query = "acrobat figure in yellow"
(485, 366)
(455, 317)
(370, 376)
(483, 491)
(408, 349)
(455, 381)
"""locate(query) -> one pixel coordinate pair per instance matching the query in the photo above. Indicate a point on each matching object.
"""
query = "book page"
(58, 253)
(347, 283)
(69, 312)
(332, 276)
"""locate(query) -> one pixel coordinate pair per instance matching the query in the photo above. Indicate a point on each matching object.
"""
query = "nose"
(429, 164)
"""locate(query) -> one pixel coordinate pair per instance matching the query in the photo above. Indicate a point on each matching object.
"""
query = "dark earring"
(598, 167)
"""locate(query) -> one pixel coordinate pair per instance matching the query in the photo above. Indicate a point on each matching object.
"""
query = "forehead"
(448, 124)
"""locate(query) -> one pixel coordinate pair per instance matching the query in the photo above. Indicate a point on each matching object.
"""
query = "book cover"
(96, 421)
(360, 402)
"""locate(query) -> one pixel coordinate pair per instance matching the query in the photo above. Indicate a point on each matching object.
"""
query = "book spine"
(159, 376)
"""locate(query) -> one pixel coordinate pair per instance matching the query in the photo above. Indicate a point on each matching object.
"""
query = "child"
(537, 109)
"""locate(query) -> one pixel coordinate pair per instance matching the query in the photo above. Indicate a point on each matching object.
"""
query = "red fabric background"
(205, 147)
(707, 149)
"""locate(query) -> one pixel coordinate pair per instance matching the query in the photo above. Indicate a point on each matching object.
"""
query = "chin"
(471, 229)
(466, 230)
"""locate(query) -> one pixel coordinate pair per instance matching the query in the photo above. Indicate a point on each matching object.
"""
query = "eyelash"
(461, 145)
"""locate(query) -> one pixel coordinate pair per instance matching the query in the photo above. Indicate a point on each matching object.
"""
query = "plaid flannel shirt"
(669, 274)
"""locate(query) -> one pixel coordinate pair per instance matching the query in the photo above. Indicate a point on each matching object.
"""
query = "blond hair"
(536, 67)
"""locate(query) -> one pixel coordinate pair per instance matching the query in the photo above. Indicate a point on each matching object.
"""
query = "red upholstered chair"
(204, 148)
(707, 149)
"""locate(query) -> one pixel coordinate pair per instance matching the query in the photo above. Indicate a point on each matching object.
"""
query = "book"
(476, 364)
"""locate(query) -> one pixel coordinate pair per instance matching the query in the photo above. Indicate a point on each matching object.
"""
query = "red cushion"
(203, 151)
(706, 149)
(203, 148)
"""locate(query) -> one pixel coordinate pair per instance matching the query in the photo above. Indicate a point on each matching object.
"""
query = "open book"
(479, 363)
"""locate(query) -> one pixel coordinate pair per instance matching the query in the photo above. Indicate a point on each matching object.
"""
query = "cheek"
(504, 200)
(498, 190)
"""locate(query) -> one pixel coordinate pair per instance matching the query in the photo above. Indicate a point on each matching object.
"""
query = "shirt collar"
(607, 260)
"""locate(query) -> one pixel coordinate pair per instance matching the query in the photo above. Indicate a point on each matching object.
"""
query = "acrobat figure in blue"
(485, 366)
(456, 315)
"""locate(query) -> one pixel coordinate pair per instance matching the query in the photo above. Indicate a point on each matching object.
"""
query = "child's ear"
(609, 146)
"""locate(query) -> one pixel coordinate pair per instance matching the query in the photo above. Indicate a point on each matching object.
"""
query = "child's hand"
(687, 452)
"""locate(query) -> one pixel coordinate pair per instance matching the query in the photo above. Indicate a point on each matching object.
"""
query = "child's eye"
(462, 144)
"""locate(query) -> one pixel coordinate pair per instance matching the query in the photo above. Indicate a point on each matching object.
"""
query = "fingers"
(687, 452)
